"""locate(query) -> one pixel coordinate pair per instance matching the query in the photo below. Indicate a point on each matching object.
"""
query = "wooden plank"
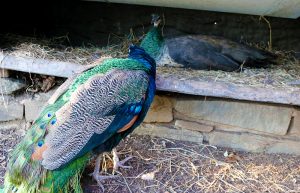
(190, 85)
(227, 90)
(39, 66)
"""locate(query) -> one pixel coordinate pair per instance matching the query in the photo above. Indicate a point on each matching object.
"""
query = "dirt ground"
(168, 166)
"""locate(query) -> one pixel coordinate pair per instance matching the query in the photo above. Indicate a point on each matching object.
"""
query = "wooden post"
(4, 73)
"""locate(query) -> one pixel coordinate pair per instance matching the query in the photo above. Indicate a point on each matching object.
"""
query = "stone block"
(252, 142)
(285, 146)
(33, 109)
(266, 118)
(10, 85)
(239, 141)
(295, 124)
(34, 106)
(11, 111)
(194, 126)
(160, 110)
(170, 133)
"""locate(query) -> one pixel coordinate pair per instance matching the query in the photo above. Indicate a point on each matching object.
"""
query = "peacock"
(90, 113)
(202, 52)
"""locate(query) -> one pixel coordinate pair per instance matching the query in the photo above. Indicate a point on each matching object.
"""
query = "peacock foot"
(119, 164)
(99, 177)
(116, 165)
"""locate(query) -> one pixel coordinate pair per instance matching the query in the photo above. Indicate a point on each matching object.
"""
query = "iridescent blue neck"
(139, 54)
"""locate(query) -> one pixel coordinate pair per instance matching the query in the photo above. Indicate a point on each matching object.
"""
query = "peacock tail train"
(25, 175)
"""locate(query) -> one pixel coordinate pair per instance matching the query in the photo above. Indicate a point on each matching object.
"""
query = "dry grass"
(188, 167)
(56, 49)
(277, 76)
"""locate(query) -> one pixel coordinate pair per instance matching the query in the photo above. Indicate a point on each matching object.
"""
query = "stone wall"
(241, 125)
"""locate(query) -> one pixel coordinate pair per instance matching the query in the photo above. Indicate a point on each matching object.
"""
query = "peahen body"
(202, 52)
(90, 112)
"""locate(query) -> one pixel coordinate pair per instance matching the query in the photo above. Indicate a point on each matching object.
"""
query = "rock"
(34, 106)
(45, 96)
(33, 109)
(295, 124)
(285, 146)
(252, 142)
(4, 73)
(10, 85)
(266, 118)
(11, 111)
(160, 110)
(189, 125)
(167, 132)
(219, 126)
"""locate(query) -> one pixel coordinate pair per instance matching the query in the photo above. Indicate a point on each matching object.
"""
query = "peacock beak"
(155, 19)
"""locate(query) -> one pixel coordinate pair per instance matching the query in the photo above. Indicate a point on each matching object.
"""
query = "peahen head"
(138, 53)
(153, 40)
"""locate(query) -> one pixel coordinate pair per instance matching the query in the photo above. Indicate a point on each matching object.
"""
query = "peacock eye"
(49, 115)
(40, 143)
(43, 126)
(53, 122)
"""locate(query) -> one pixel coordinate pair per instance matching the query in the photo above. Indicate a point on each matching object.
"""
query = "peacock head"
(155, 20)
(138, 53)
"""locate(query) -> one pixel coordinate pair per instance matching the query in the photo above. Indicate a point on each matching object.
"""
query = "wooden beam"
(227, 90)
(39, 66)
(171, 83)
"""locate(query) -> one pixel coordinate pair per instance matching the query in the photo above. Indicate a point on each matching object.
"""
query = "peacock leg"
(96, 174)
(117, 163)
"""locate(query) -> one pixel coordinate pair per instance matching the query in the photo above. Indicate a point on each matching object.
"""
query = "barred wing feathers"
(92, 110)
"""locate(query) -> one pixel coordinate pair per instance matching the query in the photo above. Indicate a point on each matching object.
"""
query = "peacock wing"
(65, 86)
(101, 106)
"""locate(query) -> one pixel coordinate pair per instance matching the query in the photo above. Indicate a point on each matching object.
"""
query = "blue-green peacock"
(92, 111)
(202, 52)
